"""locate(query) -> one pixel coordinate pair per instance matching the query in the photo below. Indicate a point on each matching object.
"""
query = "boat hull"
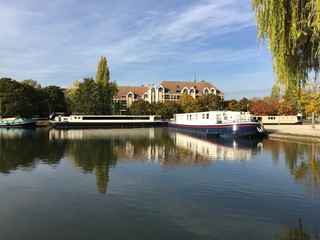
(248, 129)
(18, 124)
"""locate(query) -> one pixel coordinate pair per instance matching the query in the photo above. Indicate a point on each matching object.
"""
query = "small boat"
(106, 121)
(17, 123)
(218, 124)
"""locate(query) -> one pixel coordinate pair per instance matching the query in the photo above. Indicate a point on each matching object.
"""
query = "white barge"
(107, 121)
(282, 119)
(218, 123)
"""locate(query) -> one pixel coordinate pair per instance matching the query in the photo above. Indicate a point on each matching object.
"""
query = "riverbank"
(304, 132)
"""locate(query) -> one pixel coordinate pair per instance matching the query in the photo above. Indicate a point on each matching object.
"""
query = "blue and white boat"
(17, 123)
(218, 123)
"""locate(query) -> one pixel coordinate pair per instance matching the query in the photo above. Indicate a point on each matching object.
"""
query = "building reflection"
(95, 151)
(165, 147)
(98, 150)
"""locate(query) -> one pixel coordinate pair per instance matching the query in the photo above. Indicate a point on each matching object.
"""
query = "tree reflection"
(94, 155)
(295, 233)
(302, 161)
(97, 150)
(23, 148)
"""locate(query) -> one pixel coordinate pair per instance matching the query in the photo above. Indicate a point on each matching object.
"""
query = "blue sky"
(56, 42)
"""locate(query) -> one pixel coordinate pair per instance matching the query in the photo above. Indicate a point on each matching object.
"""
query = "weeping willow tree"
(291, 29)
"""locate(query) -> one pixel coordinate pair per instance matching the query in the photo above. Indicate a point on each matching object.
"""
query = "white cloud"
(56, 42)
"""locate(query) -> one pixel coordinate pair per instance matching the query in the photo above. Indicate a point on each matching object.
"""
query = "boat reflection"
(212, 149)
(13, 133)
(82, 134)
(162, 146)
(97, 150)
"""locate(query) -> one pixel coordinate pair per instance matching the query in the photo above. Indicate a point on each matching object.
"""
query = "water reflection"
(23, 148)
(199, 149)
(296, 232)
(96, 151)
(171, 196)
(301, 159)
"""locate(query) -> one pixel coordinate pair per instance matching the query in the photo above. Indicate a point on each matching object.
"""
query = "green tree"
(106, 89)
(17, 99)
(54, 99)
(187, 103)
(93, 96)
(209, 102)
(32, 83)
(167, 109)
(292, 30)
(84, 99)
(243, 104)
(140, 107)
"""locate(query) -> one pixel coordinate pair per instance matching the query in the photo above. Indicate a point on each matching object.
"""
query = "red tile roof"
(124, 90)
(173, 87)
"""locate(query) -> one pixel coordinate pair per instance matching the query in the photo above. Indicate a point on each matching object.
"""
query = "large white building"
(165, 91)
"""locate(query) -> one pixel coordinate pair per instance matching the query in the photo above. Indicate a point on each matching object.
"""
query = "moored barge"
(107, 121)
(218, 124)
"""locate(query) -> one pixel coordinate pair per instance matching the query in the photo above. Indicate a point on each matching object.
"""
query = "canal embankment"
(304, 132)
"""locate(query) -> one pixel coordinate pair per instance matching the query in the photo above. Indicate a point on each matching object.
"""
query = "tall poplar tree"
(103, 74)
(106, 89)
(291, 29)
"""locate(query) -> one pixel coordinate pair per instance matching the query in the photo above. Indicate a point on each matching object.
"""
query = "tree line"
(95, 96)
(28, 99)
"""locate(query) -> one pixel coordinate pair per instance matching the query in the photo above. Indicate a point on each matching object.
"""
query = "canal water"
(155, 184)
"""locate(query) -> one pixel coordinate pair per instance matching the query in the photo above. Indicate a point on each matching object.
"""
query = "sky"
(57, 42)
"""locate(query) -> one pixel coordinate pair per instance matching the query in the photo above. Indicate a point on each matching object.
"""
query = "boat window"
(116, 117)
(207, 115)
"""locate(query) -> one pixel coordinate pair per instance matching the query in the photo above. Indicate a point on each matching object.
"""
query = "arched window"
(185, 90)
(130, 99)
(160, 94)
(153, 95)
(193, 92)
